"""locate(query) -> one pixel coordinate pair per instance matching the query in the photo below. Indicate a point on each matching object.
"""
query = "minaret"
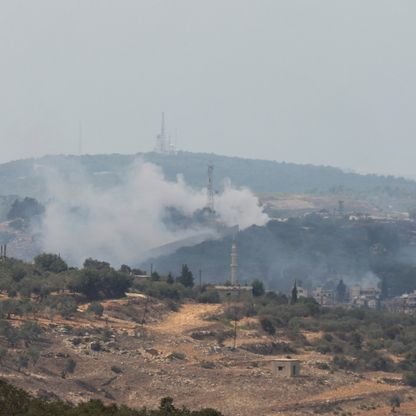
(234, 279)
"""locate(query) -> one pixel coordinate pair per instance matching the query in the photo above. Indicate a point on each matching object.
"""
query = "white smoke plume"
(121, 223)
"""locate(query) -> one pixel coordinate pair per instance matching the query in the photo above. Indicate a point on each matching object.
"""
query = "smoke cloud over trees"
(121, 223)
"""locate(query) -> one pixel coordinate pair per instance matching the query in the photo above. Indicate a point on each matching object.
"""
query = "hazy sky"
(312, 81)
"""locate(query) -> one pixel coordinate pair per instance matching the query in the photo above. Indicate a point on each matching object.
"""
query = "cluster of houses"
(355, 296)
(405, 303)
(362, 297)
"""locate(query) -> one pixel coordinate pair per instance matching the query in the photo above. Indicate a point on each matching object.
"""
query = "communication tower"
(210, 188)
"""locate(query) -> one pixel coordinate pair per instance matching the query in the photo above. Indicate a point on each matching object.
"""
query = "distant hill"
(26, 177)
(312, 249)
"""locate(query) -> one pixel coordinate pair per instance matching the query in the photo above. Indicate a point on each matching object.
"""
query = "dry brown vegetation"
(188, 355)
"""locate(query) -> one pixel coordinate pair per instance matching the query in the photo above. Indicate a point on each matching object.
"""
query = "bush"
(209, 365)
(95, 346)
(116, 369)
(96, 308)
(14, 401)
(209, 296)
(267, 326)
(175, 355)
(339, 361)
(258, 288)
(410, 378)
(70, 366)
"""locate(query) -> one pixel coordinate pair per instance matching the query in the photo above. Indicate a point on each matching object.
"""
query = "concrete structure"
(285, 367)
(325, 297)
(355, 291)
(365, 297)
(302, 292)
(234, 293)
(405, 303)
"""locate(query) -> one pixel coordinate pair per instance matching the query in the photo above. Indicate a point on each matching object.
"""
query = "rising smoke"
(121, 223)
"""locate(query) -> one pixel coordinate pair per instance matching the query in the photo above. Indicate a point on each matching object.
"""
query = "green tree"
(170, 280)
(30, 332)
(22, 361)
(70, 366)
(155, 276)
(3, 354)
(294, 297)
(51, 263)
(33, 354)
(209, 296)
(410, 378)
(186, 278)
(341, 291)
(384, 289)
(268, 326)
(65, 306)
(99, 280)
(258, 288)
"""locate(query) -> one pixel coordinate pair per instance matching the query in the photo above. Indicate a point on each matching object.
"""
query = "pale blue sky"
(309, 81)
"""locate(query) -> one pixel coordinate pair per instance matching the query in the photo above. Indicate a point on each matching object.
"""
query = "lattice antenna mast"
(161, 137)
(210, 188)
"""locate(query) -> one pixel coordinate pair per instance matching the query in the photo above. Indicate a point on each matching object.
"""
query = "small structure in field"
(285, 367)
(234, 293)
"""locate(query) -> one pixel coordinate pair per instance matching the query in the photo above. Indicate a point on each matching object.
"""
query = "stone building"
(285, 367)
(234, 293)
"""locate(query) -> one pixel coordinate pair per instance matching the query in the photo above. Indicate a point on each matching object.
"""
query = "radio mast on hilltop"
(163, 142)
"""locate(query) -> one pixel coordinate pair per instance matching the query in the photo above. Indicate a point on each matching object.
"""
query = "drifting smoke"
(120, 224)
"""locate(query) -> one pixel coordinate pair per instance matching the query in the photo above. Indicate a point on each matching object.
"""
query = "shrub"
(175, 355)
(70, 366)
(96, 308)
(339, 361)
(95, 346)
(410, 378)
(267, 326)
(116, 369)
(209, 296)
(209, 365)
(258, 288)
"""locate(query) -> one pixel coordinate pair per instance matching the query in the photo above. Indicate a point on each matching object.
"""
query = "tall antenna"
(210, 188)
(161, 145)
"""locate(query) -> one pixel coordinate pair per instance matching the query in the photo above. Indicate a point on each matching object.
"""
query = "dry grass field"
(176, 353)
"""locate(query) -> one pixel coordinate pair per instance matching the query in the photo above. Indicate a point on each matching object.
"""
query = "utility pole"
(200, 279)
(235, 319)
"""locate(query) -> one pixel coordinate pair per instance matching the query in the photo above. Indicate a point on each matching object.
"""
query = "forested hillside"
(27, 177)
(314, 250)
